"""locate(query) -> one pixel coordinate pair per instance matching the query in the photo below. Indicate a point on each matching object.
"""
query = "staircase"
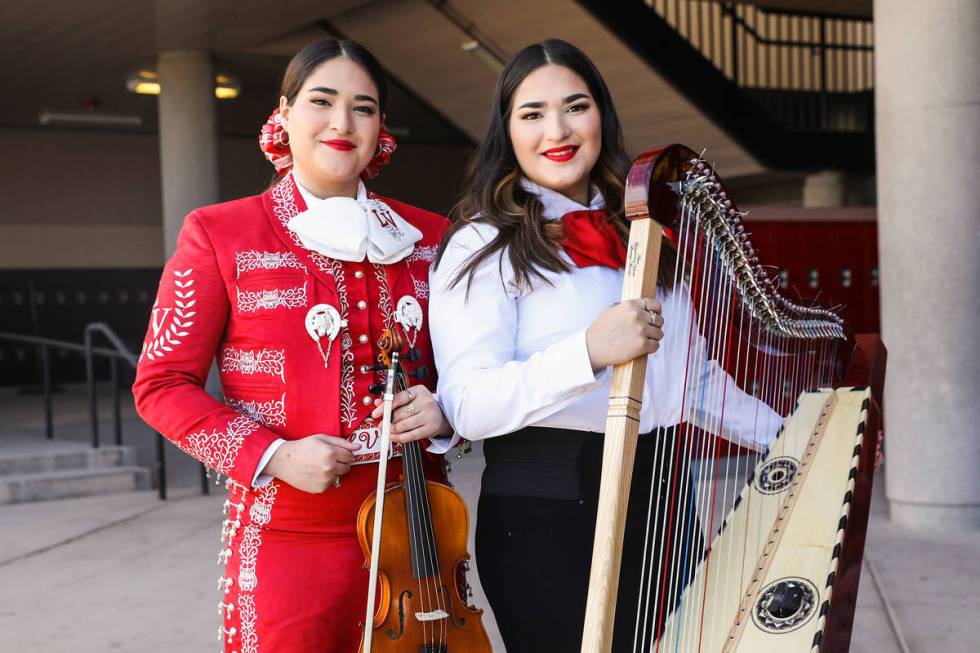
(41, 470)
(794, 89)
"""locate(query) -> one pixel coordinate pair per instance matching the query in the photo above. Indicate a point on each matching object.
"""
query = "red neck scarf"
(592, 239)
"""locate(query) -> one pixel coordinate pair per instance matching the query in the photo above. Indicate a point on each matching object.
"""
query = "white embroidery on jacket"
(425, 253)
(267, 413)
(248, 551)
(246, 615)
(250, 301)
(382, 212)
(254, 361)
(421, 288)
(252, 260)
(169, 325)
(384, 296)
(284, 208)
(348, 409)
(219, 449)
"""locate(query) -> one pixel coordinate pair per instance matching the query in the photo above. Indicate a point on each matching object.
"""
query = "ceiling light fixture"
(486, 57)
(147, 82)
(478, 43)
(52, 118)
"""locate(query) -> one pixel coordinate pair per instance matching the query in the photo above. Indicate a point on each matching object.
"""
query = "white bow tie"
(350, 229)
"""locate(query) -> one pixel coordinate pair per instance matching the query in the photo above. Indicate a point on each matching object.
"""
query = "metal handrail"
(117, 352)
(816, 58)
(121, 352)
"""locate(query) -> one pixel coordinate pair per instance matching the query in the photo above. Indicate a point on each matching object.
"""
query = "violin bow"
(623, 418)
(379, 502)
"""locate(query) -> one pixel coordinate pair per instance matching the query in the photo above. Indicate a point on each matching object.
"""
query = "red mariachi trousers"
(295, 570)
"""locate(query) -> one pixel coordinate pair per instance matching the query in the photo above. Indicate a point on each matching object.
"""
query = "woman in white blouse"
(525, 324)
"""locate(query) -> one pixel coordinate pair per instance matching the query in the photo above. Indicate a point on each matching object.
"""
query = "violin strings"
(415, 541)
(429, 555)
(429, 544)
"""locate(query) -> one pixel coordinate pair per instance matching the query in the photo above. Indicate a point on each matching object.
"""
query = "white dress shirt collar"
(556, 205)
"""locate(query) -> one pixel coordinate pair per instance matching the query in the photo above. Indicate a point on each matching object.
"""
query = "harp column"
(928, 158)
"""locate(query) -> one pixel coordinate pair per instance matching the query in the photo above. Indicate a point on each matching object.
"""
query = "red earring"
(382, 156)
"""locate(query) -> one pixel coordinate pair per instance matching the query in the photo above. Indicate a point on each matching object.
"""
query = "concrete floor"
(131, 573)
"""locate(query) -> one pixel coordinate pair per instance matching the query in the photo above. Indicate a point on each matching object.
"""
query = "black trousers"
(535, 529)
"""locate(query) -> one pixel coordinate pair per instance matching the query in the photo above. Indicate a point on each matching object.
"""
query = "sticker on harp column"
(777, 474)
(323, 321)
(408, 314)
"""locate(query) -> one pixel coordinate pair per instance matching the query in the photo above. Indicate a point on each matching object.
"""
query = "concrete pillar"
(188, 137)
(927, 103)
(823, 190)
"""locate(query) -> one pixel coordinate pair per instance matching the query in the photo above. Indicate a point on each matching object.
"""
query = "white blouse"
(510, 357)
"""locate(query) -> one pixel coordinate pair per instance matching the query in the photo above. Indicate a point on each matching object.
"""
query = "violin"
(413, 534)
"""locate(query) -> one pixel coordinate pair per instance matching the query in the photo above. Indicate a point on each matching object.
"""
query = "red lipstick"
(340, 144)
(561, 154)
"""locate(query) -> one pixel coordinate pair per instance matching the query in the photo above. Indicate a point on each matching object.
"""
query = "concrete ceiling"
(460, 86)
(57, 53)
(65, 55)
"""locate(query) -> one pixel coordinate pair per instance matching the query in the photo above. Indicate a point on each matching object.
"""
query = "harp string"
(742, 338)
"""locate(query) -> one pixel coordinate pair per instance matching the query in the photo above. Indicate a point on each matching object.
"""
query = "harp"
(747, 550)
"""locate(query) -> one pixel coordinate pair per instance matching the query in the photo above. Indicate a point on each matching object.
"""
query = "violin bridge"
(435, 615)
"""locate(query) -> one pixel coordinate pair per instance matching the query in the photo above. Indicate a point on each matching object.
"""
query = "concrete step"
(62, 484)
(53, 456)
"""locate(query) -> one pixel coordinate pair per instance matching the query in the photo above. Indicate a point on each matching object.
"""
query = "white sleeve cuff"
(443, 444)
(260, 479)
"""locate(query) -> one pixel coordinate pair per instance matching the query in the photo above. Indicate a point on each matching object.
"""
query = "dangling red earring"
(382, 154)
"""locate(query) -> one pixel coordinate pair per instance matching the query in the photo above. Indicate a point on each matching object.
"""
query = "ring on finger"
(336, 482)
(644, 303)
(411, 408)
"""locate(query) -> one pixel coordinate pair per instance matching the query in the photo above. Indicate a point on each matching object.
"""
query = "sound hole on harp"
(777, 474)
(785, 605)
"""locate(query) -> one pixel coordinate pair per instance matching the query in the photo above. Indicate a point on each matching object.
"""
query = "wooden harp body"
(782, 523)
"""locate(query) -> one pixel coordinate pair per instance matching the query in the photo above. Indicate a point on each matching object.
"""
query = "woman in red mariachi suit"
(290, 291)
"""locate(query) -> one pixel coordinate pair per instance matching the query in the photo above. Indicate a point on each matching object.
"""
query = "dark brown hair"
(304, 62)
(302, 65)
(493, 195)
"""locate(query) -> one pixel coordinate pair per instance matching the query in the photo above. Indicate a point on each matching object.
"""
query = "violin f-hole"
(401, 616)
(458, 622)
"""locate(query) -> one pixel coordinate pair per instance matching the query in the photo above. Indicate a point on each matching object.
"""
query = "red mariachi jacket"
(239, 287)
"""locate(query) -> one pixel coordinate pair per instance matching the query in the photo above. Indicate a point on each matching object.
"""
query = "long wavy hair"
(492, 192)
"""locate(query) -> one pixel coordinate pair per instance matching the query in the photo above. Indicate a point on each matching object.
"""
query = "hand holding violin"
(415, 415)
